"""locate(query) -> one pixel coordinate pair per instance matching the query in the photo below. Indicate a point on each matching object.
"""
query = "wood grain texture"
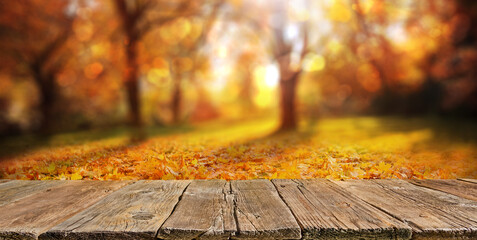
(468, 180)
(459, 188)
(17, 189)
(30, 216)
(261, 213)
(325, 210)
(204, 211)
(431, 213)
(4, 180)
(133, 212)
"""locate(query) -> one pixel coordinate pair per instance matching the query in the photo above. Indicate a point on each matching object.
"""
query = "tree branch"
(160, 21)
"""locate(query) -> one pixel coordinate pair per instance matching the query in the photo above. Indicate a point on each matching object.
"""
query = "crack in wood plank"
(135, 211)
(458, 188)
(251, 209)
(468, 180)
(156, 236)
(261, 213)
(429, 212)
(32, 215)
(327, 211)
(203, 212)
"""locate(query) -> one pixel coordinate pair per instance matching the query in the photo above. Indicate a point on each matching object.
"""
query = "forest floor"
(342, 148)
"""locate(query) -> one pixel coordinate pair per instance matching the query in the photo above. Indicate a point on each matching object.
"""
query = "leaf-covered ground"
(330, 148)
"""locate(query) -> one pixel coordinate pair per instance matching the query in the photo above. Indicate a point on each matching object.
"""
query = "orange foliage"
(337, 149)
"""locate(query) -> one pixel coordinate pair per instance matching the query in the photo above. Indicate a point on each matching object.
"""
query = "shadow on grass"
(272, 144)
(458, 130)
(20, 145)
(445, 131)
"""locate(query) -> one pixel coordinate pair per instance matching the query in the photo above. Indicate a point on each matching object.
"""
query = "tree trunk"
(287, 103)
(47, 90)
(176, 100)
(132, 84)
(385, 98)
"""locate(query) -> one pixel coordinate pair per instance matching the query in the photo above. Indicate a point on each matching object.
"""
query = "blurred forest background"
(179, 89)
(79, 64)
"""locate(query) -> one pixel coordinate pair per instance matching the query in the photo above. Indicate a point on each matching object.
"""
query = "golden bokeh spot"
(93, 70)
(167, 35)
(181, 28)
(365, 6)
(236, 3)
(155, 75)
(339, 11)
(314, 62)
(195, 31)
(83, 30)
(334, 46)
(100, 49)
(160, 63)
(259, 74)
(263, 98)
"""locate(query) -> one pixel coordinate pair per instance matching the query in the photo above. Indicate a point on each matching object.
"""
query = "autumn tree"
(451, 65)
(411, 77)
(282, 50)
(33, 37)
(244, 69)
(288, 52)
(187, 57)
(368, 23)
(138, 18)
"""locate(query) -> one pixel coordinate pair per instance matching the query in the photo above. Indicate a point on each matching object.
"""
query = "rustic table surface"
(248, 209)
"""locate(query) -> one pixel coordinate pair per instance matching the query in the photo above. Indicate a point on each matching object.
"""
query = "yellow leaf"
(51, 167)
(168, 176)
(383, 167)
(76, 176)
(221, 160)
(62, 176)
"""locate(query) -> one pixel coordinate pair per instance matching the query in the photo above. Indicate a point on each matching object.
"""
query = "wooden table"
(249, 209)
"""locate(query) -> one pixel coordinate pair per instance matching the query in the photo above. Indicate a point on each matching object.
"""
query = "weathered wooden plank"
(133, 212)
(459, 188)
(325, 210)
(204, 211)
(17, 189)
(468, 180)
(4, 180)
(35, 214)
(431, 213)
(261, 213)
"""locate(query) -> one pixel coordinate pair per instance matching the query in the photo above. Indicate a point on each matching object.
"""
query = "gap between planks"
(463, 189)
(468, 180)
(431, 213)
(29, 216)
(232, 198)
(222, 210)
(135, 212)
(325, 210)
